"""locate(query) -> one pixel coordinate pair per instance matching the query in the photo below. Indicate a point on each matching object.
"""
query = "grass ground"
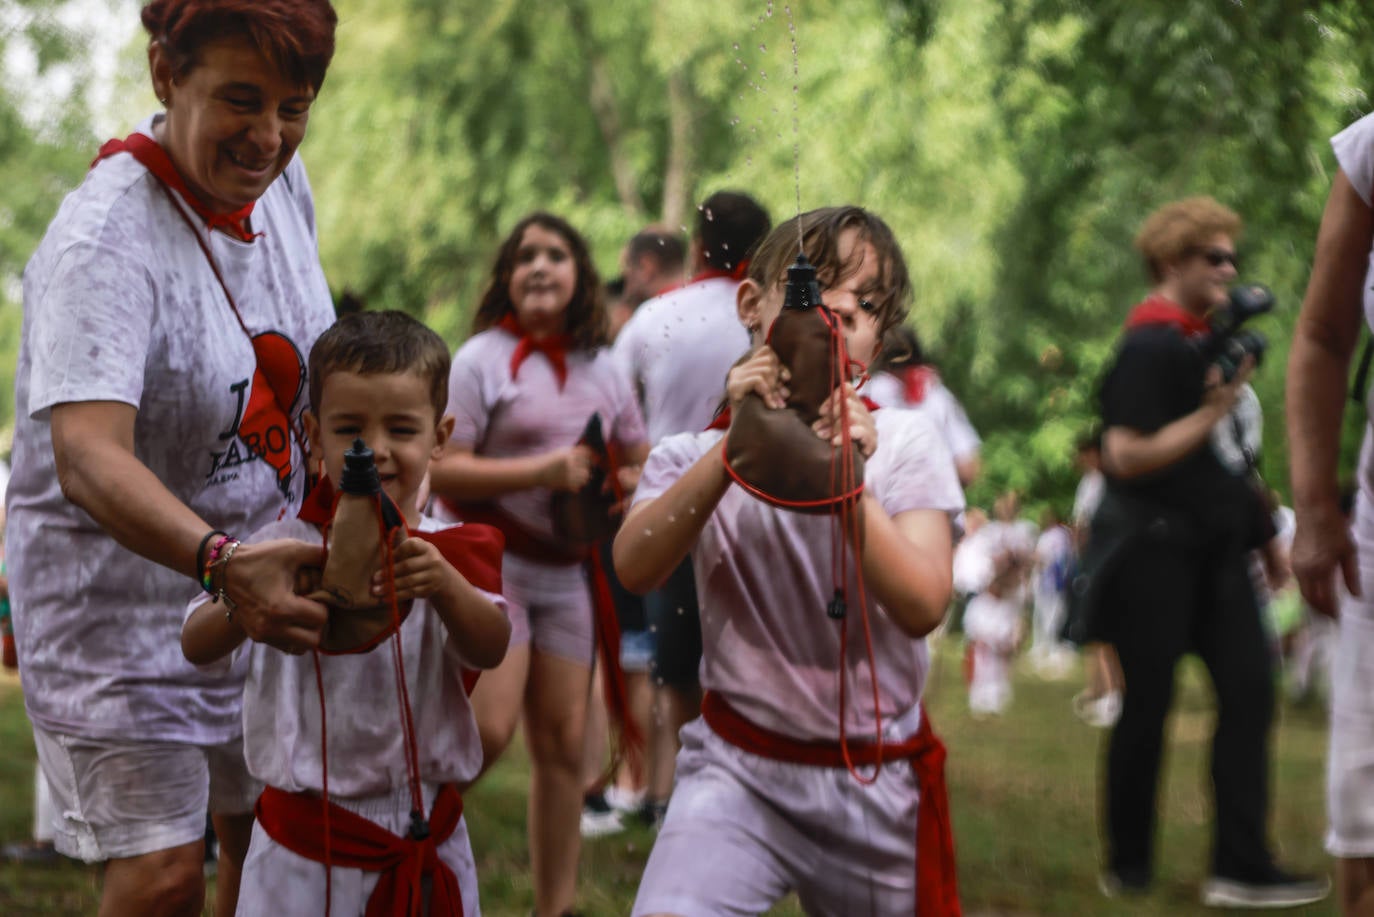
(1023, 794)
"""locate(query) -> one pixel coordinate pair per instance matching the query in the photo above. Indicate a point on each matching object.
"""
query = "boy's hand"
(862, 430)
(419, 570)
(762, 374)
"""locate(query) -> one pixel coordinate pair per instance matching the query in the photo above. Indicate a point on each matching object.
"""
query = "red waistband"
(937, 887)
(297, 822)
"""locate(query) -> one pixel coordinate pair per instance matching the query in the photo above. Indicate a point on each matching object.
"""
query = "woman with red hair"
(158, 399)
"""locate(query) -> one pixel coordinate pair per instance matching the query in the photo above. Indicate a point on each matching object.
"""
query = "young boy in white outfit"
(381, 377)
(764, 801)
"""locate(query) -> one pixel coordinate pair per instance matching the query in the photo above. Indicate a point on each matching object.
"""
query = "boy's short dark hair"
(661, 244)
(730, 225)
(381, 343)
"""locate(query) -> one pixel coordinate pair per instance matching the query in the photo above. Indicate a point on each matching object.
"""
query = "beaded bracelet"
(200, 551)
(221, 564)
(210, 559)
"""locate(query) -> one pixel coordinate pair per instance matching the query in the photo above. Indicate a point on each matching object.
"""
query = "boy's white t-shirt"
(367, 757)
(120, 305)
(503, 417)
(763, 578)
(678, 348)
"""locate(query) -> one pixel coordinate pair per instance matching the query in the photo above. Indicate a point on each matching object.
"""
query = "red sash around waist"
(297, 822)
(937, 887)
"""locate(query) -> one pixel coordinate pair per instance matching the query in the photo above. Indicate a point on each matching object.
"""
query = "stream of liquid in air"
(796, 120)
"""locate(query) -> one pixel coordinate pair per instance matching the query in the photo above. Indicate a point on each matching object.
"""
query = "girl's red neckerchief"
(555, 348)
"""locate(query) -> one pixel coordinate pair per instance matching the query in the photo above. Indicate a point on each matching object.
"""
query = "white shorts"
(1350, 761)
(550, 607)
(742, 831)
(124, 799)
(278, 881)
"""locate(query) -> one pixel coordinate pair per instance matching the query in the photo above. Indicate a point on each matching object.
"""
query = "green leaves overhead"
(1014, 145)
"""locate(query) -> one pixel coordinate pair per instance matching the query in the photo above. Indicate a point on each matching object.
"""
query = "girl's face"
(543, 281)
(851, 295)
(233, 122)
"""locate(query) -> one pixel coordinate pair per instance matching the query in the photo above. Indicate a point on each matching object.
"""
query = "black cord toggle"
(836, 608)
(419, 827)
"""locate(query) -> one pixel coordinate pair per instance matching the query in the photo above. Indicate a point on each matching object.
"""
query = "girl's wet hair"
(820, 231)
(295, 35)
(586, 313)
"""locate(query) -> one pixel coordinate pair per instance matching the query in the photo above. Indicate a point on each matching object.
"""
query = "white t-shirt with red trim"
(367, 756)
(500, 416)
(764, 578)
(121, 305)
(938, 403)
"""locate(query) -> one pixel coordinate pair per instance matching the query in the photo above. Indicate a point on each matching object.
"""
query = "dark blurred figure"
(654, 261)
(1168, 559)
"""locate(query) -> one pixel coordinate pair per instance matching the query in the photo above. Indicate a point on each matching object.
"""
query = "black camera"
(1227, 344)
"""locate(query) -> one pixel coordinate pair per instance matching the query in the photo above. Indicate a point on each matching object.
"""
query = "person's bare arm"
(458, 474)
(1129, 453)
(209, 635)
(908, 564)
(1318, 363)
(474, 623)
(93, 444)
(657, 534)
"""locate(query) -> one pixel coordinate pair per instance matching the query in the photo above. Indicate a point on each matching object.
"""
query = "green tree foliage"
(1014, 146)
(1111, 109)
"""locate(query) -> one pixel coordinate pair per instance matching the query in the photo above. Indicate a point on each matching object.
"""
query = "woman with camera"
(1169, 571)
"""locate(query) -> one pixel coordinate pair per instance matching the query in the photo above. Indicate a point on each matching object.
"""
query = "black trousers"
(1164, 600)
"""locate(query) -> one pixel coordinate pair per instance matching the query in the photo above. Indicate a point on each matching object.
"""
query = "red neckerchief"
(739, 272)
(297, 822)
(1156, 310)
(155, 159)
(937, 885)
(916, 382)
(554, 349)
(722, 420)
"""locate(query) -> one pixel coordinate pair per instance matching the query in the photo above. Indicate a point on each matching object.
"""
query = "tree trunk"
(678, 171)
(601, 95)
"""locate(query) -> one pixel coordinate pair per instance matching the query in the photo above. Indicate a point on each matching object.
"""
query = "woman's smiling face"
(233, 121)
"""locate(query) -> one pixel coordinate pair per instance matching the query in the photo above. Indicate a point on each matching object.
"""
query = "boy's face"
(851, 296)
(393, 414)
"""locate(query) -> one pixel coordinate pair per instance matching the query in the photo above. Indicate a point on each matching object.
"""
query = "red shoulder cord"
(148, 153)
(845, 527)
(418, 821)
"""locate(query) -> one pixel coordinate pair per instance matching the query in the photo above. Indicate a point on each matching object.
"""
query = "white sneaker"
(1277, 889)
(599, 819)
(624, 801)
(1099, 712)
